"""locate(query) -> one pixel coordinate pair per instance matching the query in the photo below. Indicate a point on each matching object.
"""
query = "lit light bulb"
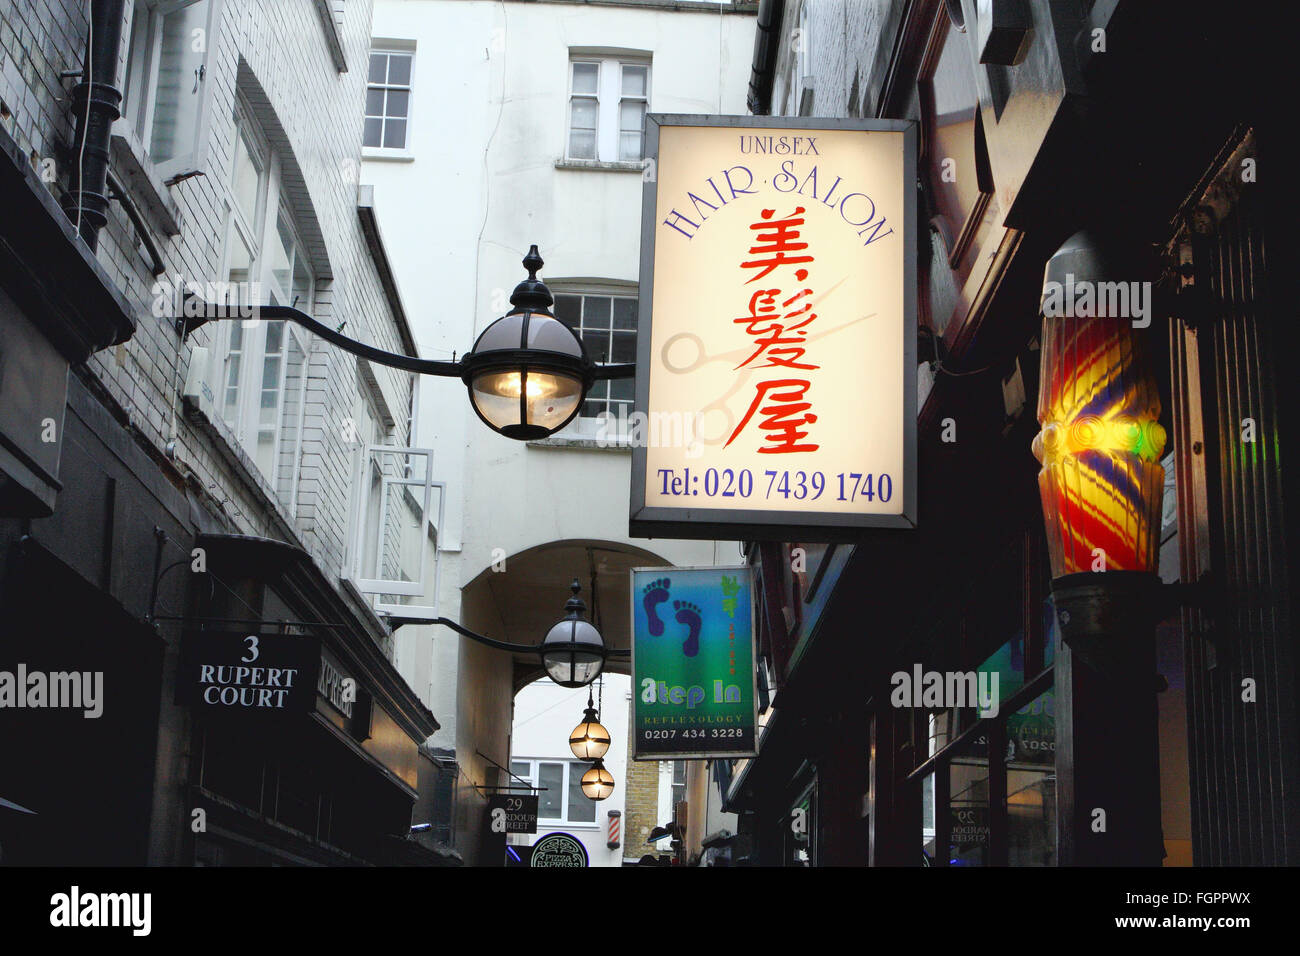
(509, 385)
(589, 740)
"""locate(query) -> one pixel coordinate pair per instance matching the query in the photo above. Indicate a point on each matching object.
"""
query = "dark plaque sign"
(559, 849)
(237, 673)
(970, 827)
(513, 813)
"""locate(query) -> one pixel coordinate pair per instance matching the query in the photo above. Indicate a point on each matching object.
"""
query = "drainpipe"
(95, 101)
(766, 40)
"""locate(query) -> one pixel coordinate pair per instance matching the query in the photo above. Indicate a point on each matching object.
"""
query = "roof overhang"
(354, 637)
(49, 271)
(387, 277)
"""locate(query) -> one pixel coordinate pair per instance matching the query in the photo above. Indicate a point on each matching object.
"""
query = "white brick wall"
(842, 36)
(280, 50)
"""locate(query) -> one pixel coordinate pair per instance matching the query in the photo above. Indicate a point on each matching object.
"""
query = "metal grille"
(1242, 754)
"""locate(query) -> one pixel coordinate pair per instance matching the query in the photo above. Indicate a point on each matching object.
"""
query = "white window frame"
(401, 473)
(618, 110)
(397, 476)
(142, 86)
(582, 425)
(568, 124)
(257, 236)
(609, 99)
(390, 47)
(571, 766)
(682, 764)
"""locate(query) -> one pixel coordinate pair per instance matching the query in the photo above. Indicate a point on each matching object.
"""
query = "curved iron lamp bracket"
(396, 622)
(207, 312)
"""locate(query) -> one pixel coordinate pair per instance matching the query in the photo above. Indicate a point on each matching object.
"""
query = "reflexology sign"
(693, 663)
(777, 329)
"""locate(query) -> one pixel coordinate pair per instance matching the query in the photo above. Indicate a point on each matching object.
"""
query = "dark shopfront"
(78, 750)
(971, 590)
(182, 766)
(129, 771)
(306, 743)
(99, 762)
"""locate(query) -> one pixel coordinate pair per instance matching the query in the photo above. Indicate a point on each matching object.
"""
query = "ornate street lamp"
(573, 652)
(597, 783)
(528, 372)
(589, 740)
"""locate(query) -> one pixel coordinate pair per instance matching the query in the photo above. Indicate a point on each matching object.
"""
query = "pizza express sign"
(776, 366)
(240, 673)
(559, 849)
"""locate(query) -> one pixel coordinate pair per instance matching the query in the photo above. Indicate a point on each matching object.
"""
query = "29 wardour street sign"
(693, 691)
(777, 329)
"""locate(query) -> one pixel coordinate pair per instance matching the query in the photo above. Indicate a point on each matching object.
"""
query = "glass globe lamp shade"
(597, 783)
(525, 403)
(528, 372)
(573, 653)
(589, 740)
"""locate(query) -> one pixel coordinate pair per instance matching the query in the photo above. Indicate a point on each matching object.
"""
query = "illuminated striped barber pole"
(615, 829)
(1101, 439)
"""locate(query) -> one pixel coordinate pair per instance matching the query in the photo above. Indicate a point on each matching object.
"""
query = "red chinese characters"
(780, 340)
(783, 418)
(778, 326)
(776, 243)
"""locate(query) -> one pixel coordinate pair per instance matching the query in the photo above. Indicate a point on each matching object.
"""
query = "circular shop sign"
(559, 849)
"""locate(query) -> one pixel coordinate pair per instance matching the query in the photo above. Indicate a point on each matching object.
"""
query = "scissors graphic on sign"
(734, 357)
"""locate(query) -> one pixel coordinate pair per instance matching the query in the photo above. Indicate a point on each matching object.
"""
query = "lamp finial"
(532, 294)
(533, 261)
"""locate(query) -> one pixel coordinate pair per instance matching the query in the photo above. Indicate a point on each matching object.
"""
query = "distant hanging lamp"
(573, 651)
(597, 783)
(589, 740)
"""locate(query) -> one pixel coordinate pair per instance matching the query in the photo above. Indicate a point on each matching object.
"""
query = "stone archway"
(523, 597)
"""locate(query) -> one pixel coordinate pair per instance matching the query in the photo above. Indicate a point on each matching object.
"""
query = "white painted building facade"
(545, 715)
(492, 126)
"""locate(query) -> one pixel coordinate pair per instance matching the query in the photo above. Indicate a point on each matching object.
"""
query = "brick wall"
(277, 56)
(642, 804)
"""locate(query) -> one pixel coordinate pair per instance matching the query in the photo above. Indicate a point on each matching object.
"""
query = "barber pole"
(615, 828)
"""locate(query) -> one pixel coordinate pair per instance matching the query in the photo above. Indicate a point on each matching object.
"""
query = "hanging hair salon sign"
(776, 364)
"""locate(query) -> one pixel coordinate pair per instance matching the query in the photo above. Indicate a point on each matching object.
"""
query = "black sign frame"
(520, 810)
(233, 648)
